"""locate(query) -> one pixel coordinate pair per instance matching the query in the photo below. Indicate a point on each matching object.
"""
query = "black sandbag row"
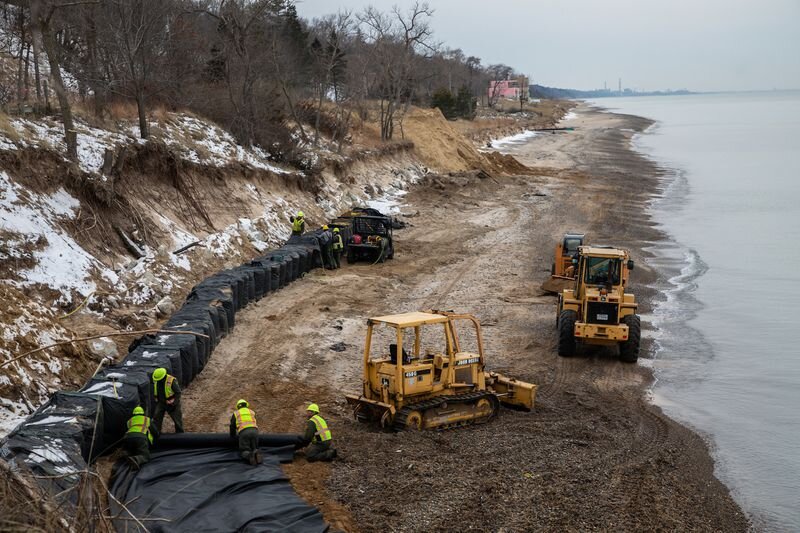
(72, 429)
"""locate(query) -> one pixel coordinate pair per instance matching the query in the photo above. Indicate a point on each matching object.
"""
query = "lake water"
(728, 361)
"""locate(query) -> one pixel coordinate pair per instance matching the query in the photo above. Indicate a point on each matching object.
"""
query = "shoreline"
(593, 453)
(691, 268)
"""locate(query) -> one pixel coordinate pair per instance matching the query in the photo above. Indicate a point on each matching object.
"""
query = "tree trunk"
(144, 131)
(21, 52)
(37, 79)
(51, 49)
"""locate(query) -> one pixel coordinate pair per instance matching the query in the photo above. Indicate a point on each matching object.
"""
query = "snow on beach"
(511, 140)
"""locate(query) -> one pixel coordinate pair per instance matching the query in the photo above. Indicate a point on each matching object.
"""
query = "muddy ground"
(593, 454)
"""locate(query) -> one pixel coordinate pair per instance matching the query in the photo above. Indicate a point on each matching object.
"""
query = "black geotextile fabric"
(210, 489)
(72, 429)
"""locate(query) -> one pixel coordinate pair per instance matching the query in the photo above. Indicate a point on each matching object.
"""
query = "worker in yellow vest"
(167, 394)
(139, 437)
(338, 248)
(318, 436)
(298, 223)
(243, 425)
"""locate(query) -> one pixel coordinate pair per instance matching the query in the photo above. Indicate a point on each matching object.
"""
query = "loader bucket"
(557, 284)
(512, 392)
(366, 410)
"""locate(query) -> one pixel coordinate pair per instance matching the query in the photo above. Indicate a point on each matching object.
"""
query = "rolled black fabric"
(191, 441)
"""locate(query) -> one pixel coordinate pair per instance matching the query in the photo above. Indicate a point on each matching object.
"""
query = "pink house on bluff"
(508, 89)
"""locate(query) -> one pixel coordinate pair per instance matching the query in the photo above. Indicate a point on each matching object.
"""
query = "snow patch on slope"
(31, 224)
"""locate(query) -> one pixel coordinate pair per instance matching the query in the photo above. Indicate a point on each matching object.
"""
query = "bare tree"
(497, 73)
(395, 40)
(327, 51)
(247, 53)
(43, 21)
(135, 34)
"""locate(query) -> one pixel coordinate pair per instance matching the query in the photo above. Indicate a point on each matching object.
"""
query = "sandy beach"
(593, 454)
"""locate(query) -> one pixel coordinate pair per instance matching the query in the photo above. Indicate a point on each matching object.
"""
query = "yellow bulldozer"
(597, 309)
(433, 384)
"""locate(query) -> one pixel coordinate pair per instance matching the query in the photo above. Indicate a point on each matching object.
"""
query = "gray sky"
(651, 44)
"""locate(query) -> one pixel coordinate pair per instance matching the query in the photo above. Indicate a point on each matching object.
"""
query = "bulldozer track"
(401, 418)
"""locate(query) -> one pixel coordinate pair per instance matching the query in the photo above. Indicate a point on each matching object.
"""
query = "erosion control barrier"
(57, 442)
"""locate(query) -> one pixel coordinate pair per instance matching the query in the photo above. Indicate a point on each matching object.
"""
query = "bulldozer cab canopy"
(420, 335)
(409, 320)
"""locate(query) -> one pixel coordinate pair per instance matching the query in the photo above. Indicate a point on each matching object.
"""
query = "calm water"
(728, 361)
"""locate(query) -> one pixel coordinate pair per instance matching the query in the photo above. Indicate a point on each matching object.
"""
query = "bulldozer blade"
(511, 391)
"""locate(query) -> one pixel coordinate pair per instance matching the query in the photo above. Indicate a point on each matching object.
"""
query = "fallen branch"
(116, 334)
(188, 246)
(132, 247)
(77, 308)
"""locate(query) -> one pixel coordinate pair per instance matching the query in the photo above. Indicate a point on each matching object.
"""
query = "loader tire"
(566, 333)
(629, 350)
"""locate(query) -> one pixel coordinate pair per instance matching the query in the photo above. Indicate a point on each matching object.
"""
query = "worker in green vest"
(243, 425)
(139, 437)
(317, 436)
(338, 248)
(167, 394)
(298, 223)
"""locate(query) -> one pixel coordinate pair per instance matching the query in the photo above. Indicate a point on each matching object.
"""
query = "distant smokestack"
(620, 85)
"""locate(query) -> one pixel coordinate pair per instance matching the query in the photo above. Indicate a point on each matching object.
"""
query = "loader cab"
(566, 250)
(571, 243)
(414, 354)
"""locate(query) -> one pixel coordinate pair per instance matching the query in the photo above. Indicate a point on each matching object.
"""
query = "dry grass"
(7, 129)
(25, 507)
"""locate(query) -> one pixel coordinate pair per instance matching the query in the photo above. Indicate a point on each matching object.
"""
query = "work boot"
(257, 455)
(252, 459)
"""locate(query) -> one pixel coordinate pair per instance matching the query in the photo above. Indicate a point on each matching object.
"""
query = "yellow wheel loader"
(597, 309)
(562, 273)
(423, 380)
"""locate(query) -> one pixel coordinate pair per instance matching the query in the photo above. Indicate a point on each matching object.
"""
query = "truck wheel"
(566, 333)
(351, 256)
(629, 350)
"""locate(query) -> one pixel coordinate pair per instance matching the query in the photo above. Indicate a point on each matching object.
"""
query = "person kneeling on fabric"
(139, 437)
(318, 437)
(243, 424)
